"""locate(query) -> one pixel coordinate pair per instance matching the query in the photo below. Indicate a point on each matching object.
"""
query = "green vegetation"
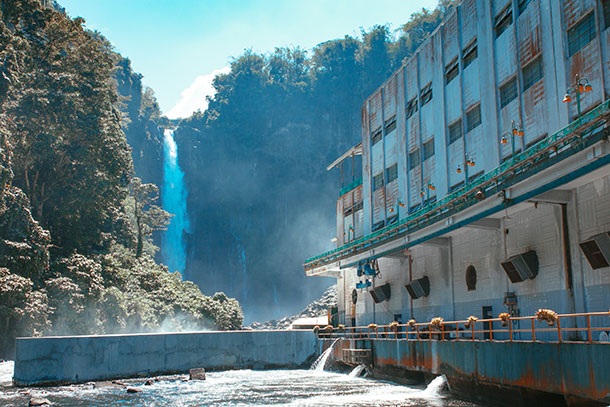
(260, 199)
(75, 224)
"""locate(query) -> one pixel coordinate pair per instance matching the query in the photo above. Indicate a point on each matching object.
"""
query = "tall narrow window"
(522, 5)
(413, 159)
(412, 107)
(503, 20)
(473, 118)
(581, 34)
(532, 73)
(455, 131)
(452, 70)
(376, 137)
(508, 92)
(378, 181)
(391, 173)
(470, 53)
(391, 126)
(428, 149)
(426, 94)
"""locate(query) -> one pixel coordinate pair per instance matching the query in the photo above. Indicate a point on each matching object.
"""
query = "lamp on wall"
(581, 85)
(516, 130)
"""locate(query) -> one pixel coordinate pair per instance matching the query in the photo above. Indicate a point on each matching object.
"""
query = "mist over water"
(173, 198)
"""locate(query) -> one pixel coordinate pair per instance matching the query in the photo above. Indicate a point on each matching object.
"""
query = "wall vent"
(521, 267)
(597, 250)
(419, 288)
(381, 293)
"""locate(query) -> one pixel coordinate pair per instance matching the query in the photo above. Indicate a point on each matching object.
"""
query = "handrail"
(479, 330)
(352, 185)
(464, 195)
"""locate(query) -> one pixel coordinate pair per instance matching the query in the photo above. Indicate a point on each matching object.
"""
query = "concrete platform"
(77, 359)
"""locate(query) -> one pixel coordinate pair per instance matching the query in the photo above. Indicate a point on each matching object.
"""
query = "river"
(237, 388)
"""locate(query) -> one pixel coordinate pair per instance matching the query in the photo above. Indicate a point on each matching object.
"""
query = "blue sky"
(179, 45)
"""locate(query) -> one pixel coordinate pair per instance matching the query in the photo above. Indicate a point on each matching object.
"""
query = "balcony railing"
(564, 328)
(352, 185)
(554, 148)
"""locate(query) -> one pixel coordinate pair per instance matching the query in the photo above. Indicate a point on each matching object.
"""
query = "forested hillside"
(260, 199)
(76, 254)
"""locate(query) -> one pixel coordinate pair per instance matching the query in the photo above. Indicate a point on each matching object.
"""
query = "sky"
(180, 45)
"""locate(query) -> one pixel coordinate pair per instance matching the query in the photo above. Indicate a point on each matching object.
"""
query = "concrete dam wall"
(74, 359)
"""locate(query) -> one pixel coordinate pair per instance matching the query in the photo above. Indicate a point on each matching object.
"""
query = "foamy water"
(6, 373)
(242, 388)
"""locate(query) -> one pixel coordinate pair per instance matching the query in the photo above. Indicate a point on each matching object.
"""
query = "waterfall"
(320, 362)
(173, 198)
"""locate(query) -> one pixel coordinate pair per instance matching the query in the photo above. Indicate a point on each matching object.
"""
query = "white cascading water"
(320, 362)
(173, 198)
(357, 371)
(434, 387)
(6, 373)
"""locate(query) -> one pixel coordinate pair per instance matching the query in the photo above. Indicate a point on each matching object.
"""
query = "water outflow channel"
(239, 388)
(173, 198)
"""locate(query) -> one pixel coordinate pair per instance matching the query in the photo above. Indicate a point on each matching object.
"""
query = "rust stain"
(450, 37)
(529, 32)
(469, 21)
(572, 11)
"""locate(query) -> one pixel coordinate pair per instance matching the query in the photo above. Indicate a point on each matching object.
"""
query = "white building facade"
(482, 191)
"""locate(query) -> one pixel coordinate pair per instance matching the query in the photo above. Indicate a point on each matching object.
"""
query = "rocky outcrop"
(315, 309)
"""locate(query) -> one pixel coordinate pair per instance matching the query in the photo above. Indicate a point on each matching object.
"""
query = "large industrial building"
(485, 181)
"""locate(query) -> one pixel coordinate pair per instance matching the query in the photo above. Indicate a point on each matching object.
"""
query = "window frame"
(452, 70)
(470, 53)
(503, 20)
(390, 125)
(503, 90)
(391, 173)
(411, 108)
(530, 80)
(522, 6)
(414, 162)
(376, 137)
(425, 94)
(428, 149)
(469, 125)
(451, 134)
(376, 183)
(589, 20)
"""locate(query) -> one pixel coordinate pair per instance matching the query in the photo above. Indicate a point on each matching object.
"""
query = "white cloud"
(193, 98)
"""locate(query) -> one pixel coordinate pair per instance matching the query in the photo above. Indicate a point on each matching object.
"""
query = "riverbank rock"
(315, 309)
(197, 374)
(133, 390)
(37, 401)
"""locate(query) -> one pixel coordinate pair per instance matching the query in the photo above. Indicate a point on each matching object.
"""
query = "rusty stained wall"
(451, 44)
(497, 6)
(366, 169)
(389, 97)
(605, 39)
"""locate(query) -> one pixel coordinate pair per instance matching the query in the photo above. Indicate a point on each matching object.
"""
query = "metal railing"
(565, 328)
(553, 148)
(352, 185)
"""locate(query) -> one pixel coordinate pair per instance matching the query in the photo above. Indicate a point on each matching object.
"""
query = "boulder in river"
(133, 390)
(197, 374)
(37, 401)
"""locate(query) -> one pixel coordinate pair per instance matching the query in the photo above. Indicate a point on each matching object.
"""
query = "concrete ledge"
(74, 359)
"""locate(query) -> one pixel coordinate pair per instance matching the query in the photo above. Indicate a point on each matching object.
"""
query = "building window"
(426, 94)
(428, 149)
(522, 5)
(532, 73)
(411, 107)
(503, 20)
(471, 278)
(473, 118)
(470, 53)
(376, 137)
(452, 70)
(378, 181)
(581, 34)
(413, 159)
(455, 131)
(390, 127)
(391, 173)
(606, 11)
(508, 92)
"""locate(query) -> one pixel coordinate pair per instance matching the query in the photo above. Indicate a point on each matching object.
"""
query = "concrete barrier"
(77, 359)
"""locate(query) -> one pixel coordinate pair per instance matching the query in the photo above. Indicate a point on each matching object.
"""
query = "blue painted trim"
(547, 187)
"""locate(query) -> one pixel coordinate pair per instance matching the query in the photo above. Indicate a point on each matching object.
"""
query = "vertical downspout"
(567, 266)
